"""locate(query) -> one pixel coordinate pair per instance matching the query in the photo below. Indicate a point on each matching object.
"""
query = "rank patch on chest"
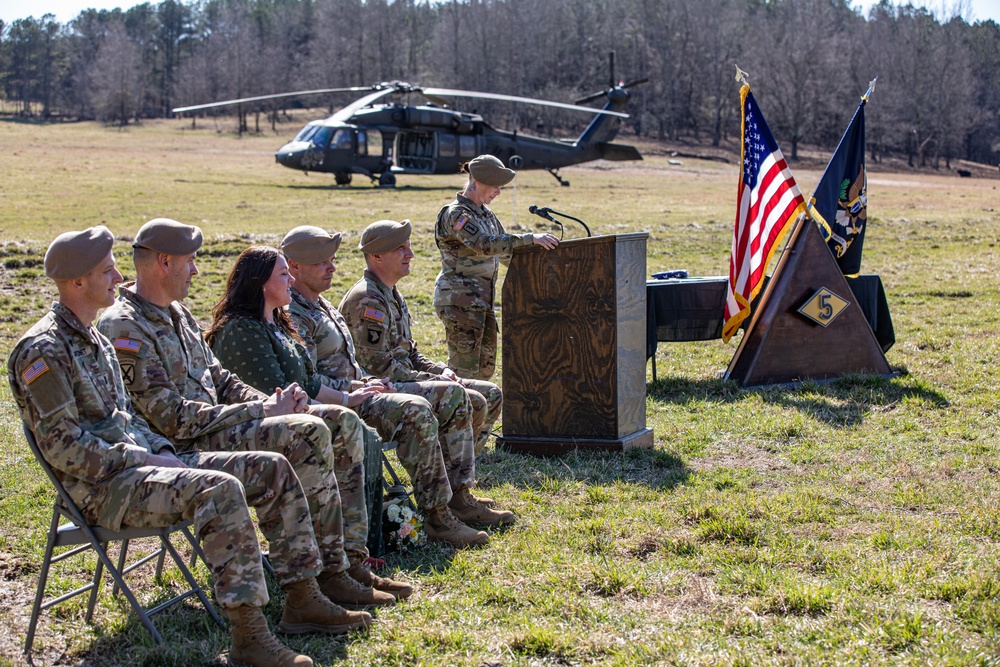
(129, 345)
(462, 219)
(34, 371)
(374, 314)
(374, 336)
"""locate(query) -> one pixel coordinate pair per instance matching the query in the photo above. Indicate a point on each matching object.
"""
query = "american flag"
(767, 200)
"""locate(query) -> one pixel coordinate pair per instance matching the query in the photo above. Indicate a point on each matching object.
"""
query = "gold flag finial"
(741, 76)
(871, 89)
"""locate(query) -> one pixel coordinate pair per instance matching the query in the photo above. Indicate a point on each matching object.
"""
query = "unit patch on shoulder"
(128, 372)
(34, 371)
(462, 219)
(374, 314)
(374, 336)
(471, 229)
(129, 345)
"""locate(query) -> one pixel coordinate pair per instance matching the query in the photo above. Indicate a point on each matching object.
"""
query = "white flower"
(406, 513)
(393, 513)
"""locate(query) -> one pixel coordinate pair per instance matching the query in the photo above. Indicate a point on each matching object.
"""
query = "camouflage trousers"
(306, 442)
(409, 421)
(472, 341)
(214, 494)
(349, 466)
(487, 403)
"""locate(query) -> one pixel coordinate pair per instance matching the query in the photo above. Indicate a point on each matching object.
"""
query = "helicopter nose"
(291, 154)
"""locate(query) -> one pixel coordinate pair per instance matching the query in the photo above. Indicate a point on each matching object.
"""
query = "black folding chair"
(75, 532)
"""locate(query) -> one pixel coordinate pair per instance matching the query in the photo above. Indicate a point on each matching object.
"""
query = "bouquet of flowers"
(403, 527)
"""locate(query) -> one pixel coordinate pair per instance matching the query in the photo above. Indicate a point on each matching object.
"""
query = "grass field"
(851, 523)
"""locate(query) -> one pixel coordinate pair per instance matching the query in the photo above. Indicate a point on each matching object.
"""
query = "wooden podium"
(574, 346)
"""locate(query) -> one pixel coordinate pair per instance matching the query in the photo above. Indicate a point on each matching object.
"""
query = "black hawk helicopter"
(381, 138)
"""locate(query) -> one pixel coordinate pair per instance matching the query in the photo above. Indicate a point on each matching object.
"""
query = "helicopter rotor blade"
(599, 95)
(259, 98)
(345, 114)
(447, 92)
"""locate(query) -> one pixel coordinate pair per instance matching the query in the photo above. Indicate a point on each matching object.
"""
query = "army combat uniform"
(472, 243)
(379, 321)
(179, 386)
(430, 421)
(66, 381)
(266, 357)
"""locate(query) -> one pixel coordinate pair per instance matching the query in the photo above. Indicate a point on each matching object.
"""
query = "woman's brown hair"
(244, 295)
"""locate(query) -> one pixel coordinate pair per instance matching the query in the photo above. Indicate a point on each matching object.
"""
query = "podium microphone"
(542, 213)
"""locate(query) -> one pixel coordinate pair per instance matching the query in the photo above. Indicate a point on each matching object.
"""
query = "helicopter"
(380, 137)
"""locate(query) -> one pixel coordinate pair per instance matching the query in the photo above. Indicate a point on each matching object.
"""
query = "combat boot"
(308, 610)
(254, 645)
(361, 573)
(466, 508)
(348, 592)
(442, 526)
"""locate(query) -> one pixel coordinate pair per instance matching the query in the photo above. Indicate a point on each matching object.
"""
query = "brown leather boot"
(442, 526)
(363, 575)
(308, 610)
(483, 500)
(254, 645)
(350, 593)
(466, 508)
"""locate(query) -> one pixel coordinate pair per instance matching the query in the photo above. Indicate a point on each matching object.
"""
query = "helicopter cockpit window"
(467, 146)
(446, 145)
(306, 133)
(341, 140)
(374, 142)
(322, 137)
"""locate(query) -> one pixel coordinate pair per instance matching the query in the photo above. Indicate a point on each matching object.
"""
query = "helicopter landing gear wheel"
(387, 180)
(342, 178)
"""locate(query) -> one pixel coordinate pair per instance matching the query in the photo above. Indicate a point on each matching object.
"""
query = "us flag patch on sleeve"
(128, 345)
(462, 219)
(34, 371)
(374, 314)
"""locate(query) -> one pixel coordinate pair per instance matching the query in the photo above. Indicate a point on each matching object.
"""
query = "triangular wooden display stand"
(782, 345)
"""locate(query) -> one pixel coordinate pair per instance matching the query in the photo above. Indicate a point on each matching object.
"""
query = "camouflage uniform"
(179, 386)
(472, 243)
(265, 359)
(67, 384)
(433, 430)
(380, 321)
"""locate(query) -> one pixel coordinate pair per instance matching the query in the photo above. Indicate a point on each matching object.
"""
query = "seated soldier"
(67, 383)
(183, 391)
(379, 321)
(430, 420)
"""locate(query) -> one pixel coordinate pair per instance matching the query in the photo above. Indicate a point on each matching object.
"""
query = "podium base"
(546, 446)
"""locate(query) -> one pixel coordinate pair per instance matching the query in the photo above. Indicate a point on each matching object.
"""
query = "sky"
(66, 10)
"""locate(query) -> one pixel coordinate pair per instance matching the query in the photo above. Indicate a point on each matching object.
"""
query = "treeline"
(937, 97)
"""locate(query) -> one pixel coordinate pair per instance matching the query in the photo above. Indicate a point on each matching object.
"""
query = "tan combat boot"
(308, 610)
(442, 526)
(254, 645)
(350, 593)
(363, 575)
(466, 508)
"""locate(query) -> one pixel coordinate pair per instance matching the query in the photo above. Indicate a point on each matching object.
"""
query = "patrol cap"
(384, 236)
(309, 244)
(74, 254)
(168, 237)
(490, 171)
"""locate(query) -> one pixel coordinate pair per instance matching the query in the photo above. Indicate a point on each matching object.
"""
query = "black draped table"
(689, 309)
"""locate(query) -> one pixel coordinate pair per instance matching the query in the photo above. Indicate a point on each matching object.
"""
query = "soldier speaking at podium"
(473, 243)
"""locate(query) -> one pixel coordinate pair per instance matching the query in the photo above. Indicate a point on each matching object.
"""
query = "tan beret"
(384, 236)
(169, 237)
(310, 245)
(490, 171)
(74, 254)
